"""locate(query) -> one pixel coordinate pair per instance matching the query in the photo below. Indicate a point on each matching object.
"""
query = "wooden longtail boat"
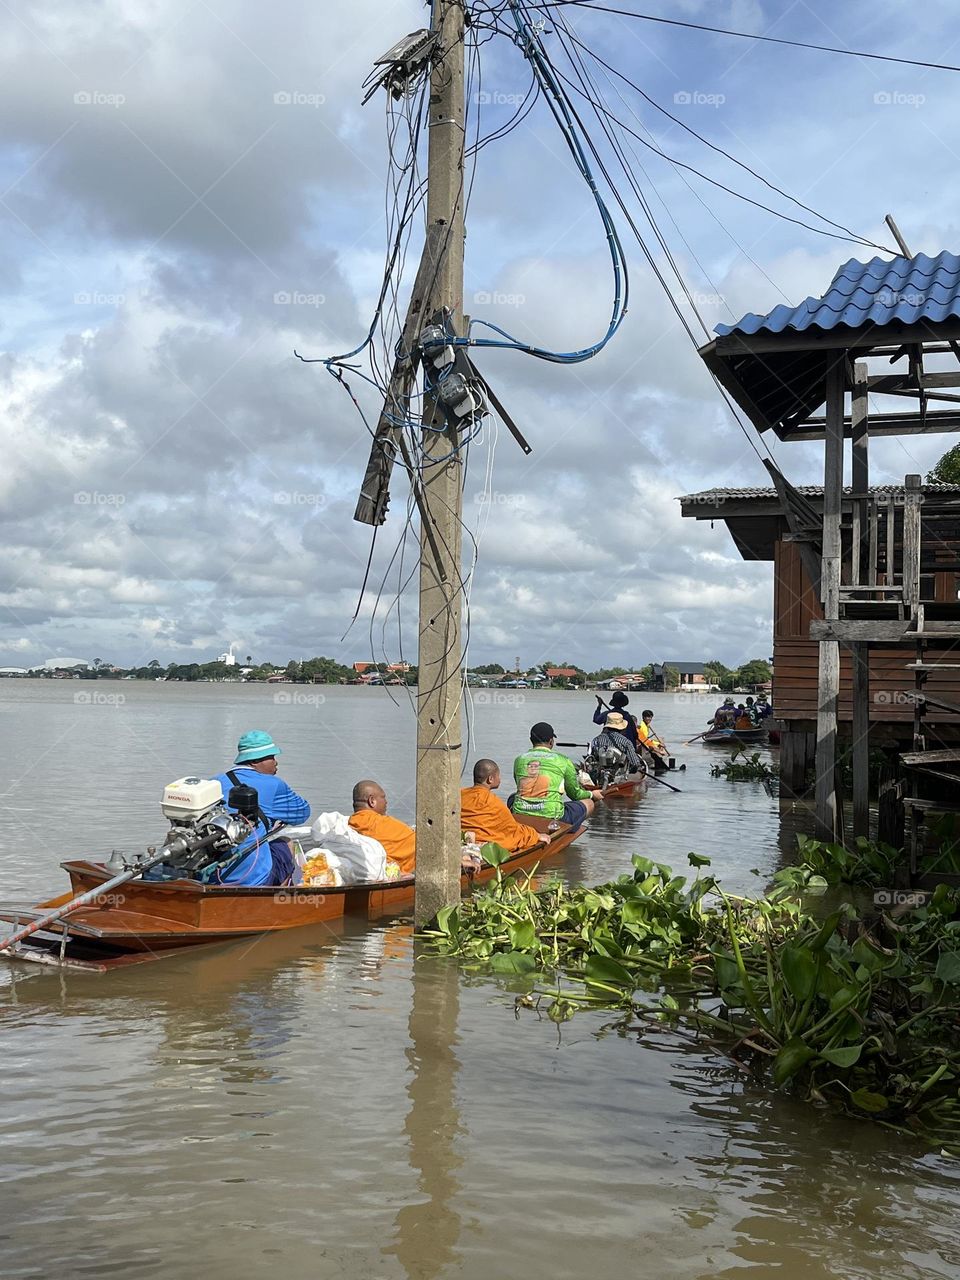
(727, 736)
(148, 919)
(628, 786)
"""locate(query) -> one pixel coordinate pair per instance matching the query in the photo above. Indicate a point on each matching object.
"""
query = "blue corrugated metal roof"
(880, 291)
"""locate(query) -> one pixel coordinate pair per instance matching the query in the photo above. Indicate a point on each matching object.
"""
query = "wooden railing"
(881, 562)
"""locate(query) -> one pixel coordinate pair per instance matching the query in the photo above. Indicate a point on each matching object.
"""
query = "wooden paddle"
(653, 778)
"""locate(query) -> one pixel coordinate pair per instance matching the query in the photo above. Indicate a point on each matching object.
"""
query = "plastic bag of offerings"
(353, 857)
(318, 868)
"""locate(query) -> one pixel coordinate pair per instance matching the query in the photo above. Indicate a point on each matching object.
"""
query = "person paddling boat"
(618, 703)
(652, 742)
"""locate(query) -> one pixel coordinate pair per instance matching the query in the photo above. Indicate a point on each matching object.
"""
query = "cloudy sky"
(191, 189)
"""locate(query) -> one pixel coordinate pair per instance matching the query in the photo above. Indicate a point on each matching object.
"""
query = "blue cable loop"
(530, 45)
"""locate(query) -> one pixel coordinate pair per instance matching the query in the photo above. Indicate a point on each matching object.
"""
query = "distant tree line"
(755, 672)
(309, 671)
(328, 671)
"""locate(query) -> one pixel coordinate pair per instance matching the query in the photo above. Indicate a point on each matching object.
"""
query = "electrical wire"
(739, 195)
(411, 428)
(576, 60)
(689, 186)
(559, 104)
(405, 196)
(838, 226)
(590, 7)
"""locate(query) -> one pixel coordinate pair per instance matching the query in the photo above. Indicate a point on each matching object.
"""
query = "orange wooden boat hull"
(626, 788)
(153, 917)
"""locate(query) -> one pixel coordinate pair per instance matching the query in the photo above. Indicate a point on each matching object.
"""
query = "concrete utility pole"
(438, 694)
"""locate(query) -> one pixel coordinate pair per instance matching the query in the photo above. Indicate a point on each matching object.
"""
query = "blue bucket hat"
(255, 745)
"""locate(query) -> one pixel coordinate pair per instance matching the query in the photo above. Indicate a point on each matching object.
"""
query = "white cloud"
(173, 477)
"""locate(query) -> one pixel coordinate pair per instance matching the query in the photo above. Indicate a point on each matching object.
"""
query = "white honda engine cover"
(188, 799)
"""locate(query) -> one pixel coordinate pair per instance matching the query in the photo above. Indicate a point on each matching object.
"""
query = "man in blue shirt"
(267, 862)
(618, 702)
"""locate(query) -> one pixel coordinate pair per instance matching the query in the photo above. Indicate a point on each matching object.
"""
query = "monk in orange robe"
(370, 818)
(488, 817)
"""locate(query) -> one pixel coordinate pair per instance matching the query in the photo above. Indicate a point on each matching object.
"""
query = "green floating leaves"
(523, 937)
(844, 998)
(448, 920)
(744, 768)
(494, 854)
(871, 959)
(512, 962)
(866, 1100)
(602, 970)
(561, 1010)
(799, 968)
(859, 1014)
(866, 863)
(845, 1056)
(794, 1055)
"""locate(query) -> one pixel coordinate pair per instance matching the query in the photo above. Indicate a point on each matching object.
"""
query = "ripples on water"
(320, 1105)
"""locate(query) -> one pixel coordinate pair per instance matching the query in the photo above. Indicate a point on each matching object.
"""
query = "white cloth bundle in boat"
(354, 857)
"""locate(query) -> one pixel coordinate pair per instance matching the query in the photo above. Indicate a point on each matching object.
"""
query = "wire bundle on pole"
(607, 144)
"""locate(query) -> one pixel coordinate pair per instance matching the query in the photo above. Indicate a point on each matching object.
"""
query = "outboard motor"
(611, 757)
(606, 765)
(202, 828)
(613, 765)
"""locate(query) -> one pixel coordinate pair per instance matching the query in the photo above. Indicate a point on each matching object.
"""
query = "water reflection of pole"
(427, 1230)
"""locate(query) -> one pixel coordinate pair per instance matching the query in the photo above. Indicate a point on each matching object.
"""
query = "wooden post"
(860, 657)
(860, 653)
(793, 762)
(873, 553)
(891, 529)
(889, 807)
(912, 500)
(829, 678)
(859, 430)
(860, 471)
(439, 656)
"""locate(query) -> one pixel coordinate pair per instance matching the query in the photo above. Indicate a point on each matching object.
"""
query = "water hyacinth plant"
(862, 1014)
(743, 768)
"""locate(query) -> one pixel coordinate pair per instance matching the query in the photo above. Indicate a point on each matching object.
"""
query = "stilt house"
(867, 616)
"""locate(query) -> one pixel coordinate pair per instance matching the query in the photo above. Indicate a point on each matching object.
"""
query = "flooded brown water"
(320, 1105)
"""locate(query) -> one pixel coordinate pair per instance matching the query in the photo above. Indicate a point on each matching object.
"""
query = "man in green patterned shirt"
(543, 775)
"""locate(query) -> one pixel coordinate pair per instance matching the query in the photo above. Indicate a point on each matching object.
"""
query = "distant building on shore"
(629, 680)
(690, 675)
(65, 664)
(561, 673)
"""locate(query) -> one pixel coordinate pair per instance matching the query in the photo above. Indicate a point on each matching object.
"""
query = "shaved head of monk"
(486, 773)
(368, 794)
